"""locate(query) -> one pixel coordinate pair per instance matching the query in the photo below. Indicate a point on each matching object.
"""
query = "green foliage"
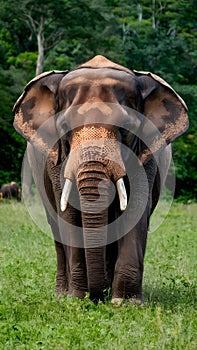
(13, 146)
(32, 318)
(185, 149)
(157, 36)
(25, 61)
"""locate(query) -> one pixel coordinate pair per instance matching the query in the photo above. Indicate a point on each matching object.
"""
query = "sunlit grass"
(32, 318)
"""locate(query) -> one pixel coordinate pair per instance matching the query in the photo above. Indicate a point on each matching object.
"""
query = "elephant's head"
(91, 111)
(94, 102)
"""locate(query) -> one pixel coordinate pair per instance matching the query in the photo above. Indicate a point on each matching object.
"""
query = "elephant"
(99, 146)
(6, 191)
(11, 190)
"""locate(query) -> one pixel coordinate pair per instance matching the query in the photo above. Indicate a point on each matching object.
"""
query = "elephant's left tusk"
(65, 194)
(122, 193)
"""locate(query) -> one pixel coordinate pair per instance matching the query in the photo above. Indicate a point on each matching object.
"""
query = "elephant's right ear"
(36, 106)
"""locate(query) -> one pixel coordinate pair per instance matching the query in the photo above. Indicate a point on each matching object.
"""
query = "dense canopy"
(150, 35)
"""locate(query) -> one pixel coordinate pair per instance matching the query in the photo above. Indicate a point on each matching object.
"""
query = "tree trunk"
(153, 15)
(139, 11)
(40, 40)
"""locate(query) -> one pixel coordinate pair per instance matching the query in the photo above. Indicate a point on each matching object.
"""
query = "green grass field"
(32, 318)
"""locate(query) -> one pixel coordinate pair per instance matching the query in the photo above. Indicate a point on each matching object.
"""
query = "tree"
(151, 35)
(48, 22)
(44, 21)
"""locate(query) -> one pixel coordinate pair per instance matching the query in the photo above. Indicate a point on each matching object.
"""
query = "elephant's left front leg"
(129, 267)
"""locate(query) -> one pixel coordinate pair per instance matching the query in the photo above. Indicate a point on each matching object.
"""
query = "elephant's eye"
(71, 93)
(64, 125)
(67, 147)
(120, 93)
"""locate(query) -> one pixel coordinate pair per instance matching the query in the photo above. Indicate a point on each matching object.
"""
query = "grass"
(32, 318)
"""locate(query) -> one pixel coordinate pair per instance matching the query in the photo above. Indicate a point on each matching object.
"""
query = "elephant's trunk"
(94, 189)
(93, 163)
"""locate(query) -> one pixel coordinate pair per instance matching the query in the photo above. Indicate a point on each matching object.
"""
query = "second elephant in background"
(11, 190)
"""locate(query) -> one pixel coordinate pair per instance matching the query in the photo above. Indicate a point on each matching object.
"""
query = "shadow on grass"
(170, 296)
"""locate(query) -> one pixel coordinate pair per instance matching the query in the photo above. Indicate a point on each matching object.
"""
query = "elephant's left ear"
(164, 108)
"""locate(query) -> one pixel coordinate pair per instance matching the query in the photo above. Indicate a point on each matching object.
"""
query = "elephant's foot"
(60, 292)
(137, 299)
(61, 289)
(61, 286)
(80, 294)
(117, 301)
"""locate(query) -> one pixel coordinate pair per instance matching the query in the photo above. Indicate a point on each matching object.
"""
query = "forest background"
(148, 35)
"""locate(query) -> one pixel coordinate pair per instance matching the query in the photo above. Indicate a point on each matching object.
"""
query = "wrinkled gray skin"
(85, 97)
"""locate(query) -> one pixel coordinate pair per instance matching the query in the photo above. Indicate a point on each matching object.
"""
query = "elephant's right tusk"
(122, 194)
(65, 194)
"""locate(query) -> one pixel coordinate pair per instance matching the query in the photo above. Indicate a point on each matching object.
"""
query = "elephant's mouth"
(95, 145)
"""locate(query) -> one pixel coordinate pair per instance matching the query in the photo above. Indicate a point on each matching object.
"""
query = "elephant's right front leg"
(62, 274)
(72, 235)
(78, 276)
